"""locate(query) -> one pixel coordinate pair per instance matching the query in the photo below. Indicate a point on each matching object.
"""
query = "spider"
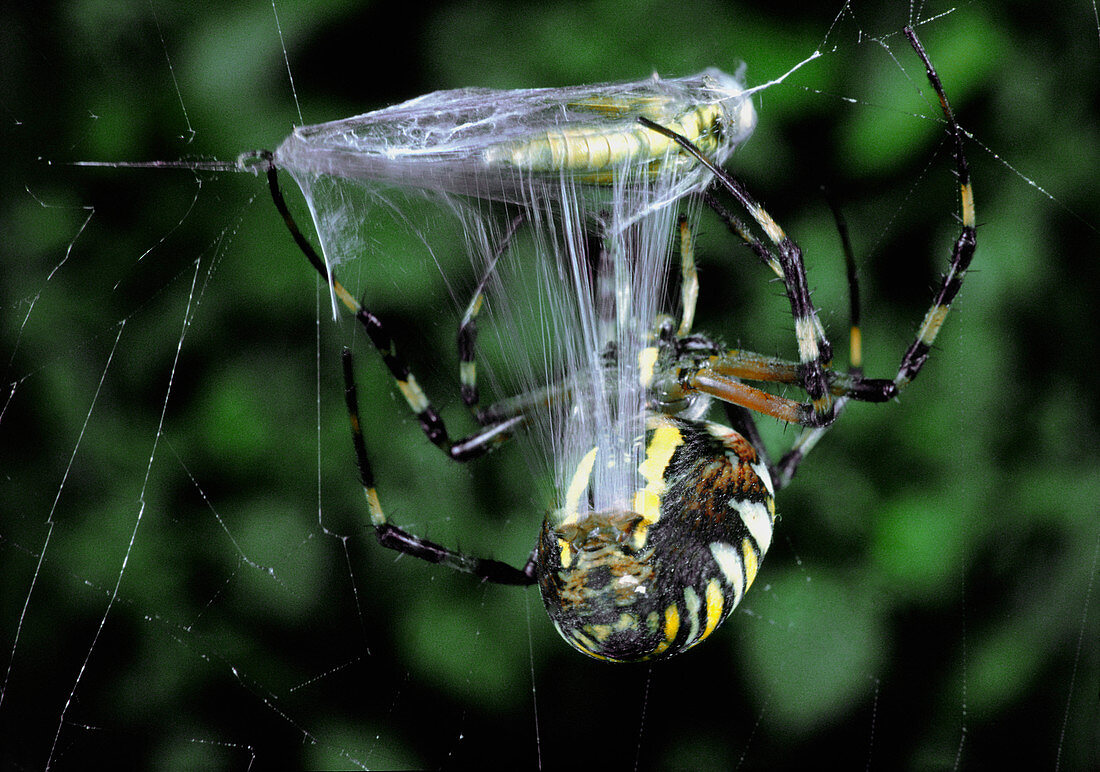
(657, 575)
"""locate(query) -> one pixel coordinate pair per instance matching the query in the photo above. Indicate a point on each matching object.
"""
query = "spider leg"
(738, 228)
(467, 330)
(431, 422)
(962, 253)
(814, 350)
(963, 250)
(812, 371)
(723, 374)
(809, 437)
(396, 538)
(689, 278)
(750, 366)
(757, 367)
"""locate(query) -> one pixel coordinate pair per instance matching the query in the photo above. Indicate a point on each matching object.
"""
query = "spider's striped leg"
(396, 538)
(722, 379)
(767, 257)
(814, 350)
(751, 366)
(512, 411)
(849, 386)
(689, 278)
(431, 423)
(959, 261)
(757, 367)
(961, 253)
(761, 250)
(880, 390)
(467, 330)
(809, 437)
(867, 389)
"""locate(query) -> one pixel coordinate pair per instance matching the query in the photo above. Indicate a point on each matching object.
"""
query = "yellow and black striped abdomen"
(654, 579)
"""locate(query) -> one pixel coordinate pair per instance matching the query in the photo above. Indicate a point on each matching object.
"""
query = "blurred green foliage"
(928, 603)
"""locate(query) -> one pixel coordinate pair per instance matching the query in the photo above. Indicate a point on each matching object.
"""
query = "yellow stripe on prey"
(595, 153)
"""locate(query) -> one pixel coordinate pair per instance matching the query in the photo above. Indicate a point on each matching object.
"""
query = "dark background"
(929, 598)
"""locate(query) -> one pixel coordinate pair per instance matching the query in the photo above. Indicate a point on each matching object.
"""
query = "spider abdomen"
(657, 577)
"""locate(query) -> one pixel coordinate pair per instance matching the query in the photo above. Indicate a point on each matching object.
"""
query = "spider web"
(188, 575)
